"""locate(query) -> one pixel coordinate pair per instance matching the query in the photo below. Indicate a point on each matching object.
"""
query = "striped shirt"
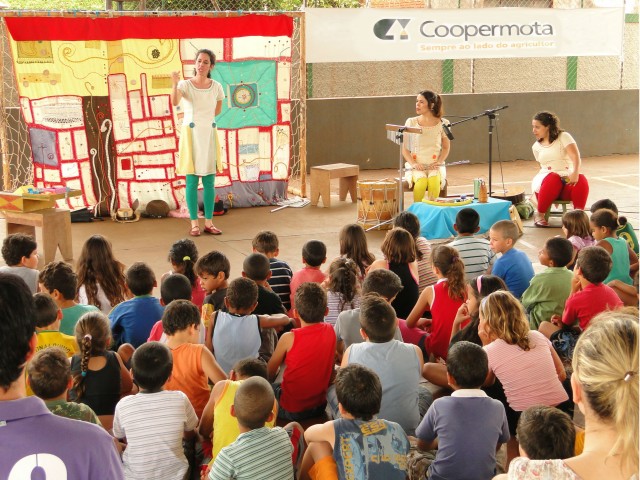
(281, 274)
(475, 253)
(333, 304)
(426, 277)
(260, 454)
(153, 424)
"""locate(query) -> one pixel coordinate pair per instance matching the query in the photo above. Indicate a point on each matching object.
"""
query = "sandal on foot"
(195, 231)
(541, 223)
(212, 230)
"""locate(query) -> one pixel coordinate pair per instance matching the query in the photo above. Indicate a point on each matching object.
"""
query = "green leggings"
(192, 195)
(423, 185)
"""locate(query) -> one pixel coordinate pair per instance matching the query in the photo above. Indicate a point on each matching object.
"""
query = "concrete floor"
(149, 240)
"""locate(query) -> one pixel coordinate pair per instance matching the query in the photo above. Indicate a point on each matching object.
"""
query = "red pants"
(553, 189)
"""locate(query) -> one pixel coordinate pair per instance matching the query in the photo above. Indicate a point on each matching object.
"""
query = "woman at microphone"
(559, 177)
(427, 152)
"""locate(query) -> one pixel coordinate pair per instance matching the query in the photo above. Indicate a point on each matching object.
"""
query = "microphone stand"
(491, 115)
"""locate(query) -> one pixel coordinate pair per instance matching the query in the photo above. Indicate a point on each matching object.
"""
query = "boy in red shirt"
(308, 355)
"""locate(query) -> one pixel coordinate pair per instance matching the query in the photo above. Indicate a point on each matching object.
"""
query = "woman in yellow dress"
(427, 152)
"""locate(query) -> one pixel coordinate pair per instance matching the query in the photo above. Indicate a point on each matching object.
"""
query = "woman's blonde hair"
(505, 318)
(605, 364)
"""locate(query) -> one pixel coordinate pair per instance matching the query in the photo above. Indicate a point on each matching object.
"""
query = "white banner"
(371, 35)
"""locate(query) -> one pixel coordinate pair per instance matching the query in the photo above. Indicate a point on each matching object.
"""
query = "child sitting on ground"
(353, 245)
(193, 364)
(546, 433)
(259, 452)
(49, 376)
(174, 287)
(132, 320)
(343, 291)
(548, 290)
(183, 256)
(381, 282)
(625, 229)
(514, 267)
(468, 427)
(314, 254)
(307, 354)
(411, 224)
(589, 297)
(256, 267)
(99, 375)
(20, 253)
(61, 283)
(154, 421)
(48, 317)
(338, 448)
(236, 332)
(443, 300)
(575, 226)
(475, 252)
(101, 280)
(217, 418)
(266, 242)
(399, 365)
(213, 269)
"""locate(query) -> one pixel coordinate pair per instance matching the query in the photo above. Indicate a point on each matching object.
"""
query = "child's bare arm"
(126, 382)
(208, 333)
(323, 432)
(633, 261)
(272, 321)
(426, 446)
(562, 373)
(345, 357)
(206, 420)
(424, 300)
(211, 368)
(284, 345)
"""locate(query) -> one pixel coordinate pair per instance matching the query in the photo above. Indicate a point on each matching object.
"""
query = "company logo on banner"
(351, 35)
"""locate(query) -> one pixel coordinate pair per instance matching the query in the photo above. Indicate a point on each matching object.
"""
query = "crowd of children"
(193, 384)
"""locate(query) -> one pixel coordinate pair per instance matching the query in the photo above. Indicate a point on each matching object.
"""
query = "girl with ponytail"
(183, 256)
(343, 292)
(443, 299)
(99, 375)
(605, 388)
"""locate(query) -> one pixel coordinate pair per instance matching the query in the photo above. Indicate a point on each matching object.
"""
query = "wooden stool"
(557, 213)
(321, 182)
(50, 227)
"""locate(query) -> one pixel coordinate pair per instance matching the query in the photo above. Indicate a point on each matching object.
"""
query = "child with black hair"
(217, 420)
(59, 280)
(475, 252)
(411, 223)
(256, 267)
(267, 243)
(193, 364)
(49, 377)
(213, 269)
(342, 447)
(259, 452)
(314, 254)
(468, 427)
(236, 332)
(307, 354)
(183, 256)
(624, 230)
(548, 290)
(20, 253)
(132, 320)
(154, 421)
(381, 282)
(343, 291)
(173, 287)
(48, 317)
(398, 364)
(589, 297)
(100, 377)
(546, 433)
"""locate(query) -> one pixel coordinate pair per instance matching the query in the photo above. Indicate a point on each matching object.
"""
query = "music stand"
(399, 139)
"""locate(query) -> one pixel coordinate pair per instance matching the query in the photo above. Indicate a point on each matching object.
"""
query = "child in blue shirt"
(514, 267)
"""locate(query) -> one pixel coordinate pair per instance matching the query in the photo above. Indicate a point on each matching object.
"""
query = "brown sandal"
(195, 231)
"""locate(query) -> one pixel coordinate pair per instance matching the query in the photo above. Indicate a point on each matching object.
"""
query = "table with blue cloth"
(437, 221)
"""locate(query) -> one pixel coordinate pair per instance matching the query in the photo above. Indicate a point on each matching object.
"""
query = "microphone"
(447, 130)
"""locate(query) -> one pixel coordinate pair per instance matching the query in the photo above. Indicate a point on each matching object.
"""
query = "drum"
(377, 203)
